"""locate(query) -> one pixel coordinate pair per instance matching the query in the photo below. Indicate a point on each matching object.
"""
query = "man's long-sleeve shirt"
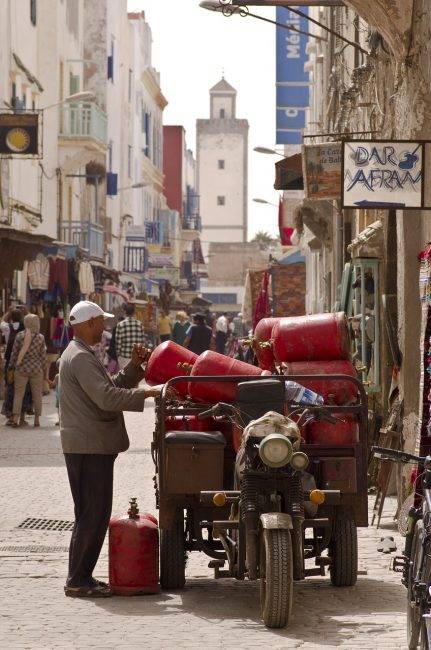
(91, 402)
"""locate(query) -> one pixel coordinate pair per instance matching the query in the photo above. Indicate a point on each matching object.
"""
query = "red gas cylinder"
(263, 334)
(339, 392)
(134, 553)
(321, 337)
(345, 432)
(213, 363)
(165, 363)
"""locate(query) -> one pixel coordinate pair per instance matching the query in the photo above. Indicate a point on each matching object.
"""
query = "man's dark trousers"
(91, 478)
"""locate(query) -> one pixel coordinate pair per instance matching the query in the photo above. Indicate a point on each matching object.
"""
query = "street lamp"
(83, 96)
(268, 151)
(133, 187)
(265, 202)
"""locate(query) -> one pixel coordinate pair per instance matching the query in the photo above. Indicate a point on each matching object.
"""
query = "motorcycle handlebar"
(217, 409)
(396, 455)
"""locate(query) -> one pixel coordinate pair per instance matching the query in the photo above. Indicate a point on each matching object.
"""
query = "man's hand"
(156, 391)
(140, 354)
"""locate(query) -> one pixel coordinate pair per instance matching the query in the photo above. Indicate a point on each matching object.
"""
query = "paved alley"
(35, 614)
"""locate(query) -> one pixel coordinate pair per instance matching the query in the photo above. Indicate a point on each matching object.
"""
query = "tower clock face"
(18, 140)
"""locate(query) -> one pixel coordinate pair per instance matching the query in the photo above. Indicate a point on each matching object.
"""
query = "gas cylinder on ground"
(261, 343)
(134, 553)
(323, 337)
(169, 360)
(213, 363)
(344, 432)
(339, 392)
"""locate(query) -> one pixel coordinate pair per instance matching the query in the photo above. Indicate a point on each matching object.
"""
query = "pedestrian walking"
(164, 326)
(27, 362)
(199, 336)
(111, 352)
(180, 328)
(93, 433)
(222, 331)
(129, 332)
(238, 326)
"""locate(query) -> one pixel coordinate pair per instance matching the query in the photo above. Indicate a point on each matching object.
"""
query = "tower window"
(221, 200)
(221, 164)
(222, 113)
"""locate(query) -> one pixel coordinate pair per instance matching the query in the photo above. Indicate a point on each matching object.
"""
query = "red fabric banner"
(285, 231)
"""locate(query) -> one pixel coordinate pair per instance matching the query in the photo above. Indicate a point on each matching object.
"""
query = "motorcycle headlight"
(299, 460)
(275, 450)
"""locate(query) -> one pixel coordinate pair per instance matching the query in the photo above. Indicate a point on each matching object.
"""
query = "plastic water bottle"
(301, 395)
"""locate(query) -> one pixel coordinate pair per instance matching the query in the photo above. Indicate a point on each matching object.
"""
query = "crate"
(193, 462)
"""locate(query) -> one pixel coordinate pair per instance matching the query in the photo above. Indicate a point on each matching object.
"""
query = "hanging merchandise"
(86, 278)
(38, 273)
(74, 288)
(425, 384)
(262, 307)
(58, 277)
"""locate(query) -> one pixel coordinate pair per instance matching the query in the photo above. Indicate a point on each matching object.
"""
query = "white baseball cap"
(84, 310)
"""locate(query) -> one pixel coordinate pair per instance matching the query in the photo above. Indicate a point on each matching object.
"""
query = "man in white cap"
(93, 433)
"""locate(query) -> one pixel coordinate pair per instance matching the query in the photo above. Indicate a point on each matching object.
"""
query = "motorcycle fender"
(276, 520)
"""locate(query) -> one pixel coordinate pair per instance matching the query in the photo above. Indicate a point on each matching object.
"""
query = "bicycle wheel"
(414, 610)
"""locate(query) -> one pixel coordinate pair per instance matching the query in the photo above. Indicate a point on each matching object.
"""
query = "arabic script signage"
(383, 174)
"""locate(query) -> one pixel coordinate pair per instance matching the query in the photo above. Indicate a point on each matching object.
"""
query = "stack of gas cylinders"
(313, 345)
(302, 345)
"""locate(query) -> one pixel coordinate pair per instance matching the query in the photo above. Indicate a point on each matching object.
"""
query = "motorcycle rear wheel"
(173, 555)
(343, 550)
(276, 577)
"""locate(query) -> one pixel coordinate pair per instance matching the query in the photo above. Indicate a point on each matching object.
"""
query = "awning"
(17, 247)
(288, 173)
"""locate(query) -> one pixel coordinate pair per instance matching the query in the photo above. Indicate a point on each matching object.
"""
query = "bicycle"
(415, 563)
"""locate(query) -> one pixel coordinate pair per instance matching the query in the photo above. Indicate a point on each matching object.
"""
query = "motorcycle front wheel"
(276, 577)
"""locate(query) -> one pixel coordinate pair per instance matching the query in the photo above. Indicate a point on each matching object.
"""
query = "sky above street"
(191, 49)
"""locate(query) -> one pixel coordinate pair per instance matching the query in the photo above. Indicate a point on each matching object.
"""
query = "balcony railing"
(84, 234)
(83, 120)
(192, 223)
(135, 259)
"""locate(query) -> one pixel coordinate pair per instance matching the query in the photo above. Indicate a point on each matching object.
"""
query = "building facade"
(181, 195)
(222, 160)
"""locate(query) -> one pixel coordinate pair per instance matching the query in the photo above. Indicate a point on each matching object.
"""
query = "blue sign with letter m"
(292, 81)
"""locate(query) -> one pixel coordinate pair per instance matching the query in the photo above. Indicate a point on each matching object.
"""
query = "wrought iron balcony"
(86, 235)
(83, 120)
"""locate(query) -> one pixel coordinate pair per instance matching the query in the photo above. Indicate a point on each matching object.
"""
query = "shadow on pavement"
(320, 610)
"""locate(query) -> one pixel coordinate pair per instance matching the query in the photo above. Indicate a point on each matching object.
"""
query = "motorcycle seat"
(195, 438)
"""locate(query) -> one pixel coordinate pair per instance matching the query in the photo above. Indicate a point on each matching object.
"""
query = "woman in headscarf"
(28, 363)
(15, 325)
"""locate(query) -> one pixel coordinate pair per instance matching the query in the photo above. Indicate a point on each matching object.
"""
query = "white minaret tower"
(222, 159)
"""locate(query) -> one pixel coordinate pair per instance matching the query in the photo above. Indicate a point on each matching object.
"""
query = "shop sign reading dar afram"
(383, 174)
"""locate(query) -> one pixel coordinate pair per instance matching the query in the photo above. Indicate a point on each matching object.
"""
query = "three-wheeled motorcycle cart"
(245, 483)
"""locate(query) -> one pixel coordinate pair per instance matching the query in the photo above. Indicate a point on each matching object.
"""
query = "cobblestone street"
(35, 614)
